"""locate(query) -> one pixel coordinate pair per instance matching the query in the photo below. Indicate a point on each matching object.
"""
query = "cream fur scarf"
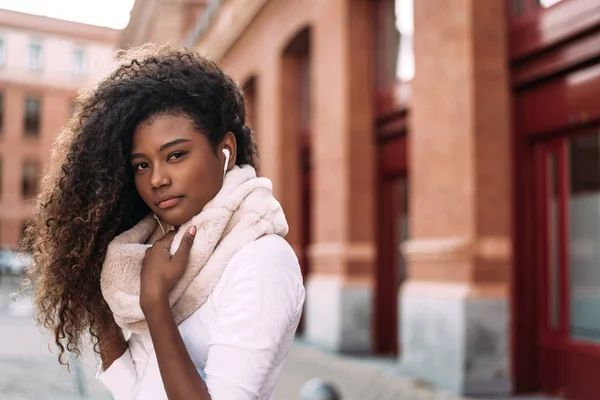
(242, 211)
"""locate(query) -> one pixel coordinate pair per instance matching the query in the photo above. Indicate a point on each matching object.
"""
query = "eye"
(176, 155)
(140, 166)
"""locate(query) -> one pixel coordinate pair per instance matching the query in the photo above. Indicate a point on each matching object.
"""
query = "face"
(176, 169)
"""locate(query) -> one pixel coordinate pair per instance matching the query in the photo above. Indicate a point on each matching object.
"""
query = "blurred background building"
(440, 168)
(438, 161)
(43, 63)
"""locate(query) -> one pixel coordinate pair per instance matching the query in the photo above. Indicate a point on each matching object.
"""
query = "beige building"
(43, 62)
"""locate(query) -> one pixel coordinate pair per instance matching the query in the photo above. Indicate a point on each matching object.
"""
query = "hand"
(161, 271)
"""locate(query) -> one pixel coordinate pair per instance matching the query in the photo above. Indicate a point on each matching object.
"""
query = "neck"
(163, 225)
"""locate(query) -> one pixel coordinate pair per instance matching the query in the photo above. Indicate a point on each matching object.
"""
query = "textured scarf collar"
(243, 211)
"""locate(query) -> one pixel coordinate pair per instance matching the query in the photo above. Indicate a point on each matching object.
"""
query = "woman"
(154, 234)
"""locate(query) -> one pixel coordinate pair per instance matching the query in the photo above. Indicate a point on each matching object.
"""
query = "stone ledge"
(445, 249)
(354, 251)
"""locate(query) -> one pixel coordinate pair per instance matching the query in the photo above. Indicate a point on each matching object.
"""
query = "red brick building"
(43, 62)
(451, 217)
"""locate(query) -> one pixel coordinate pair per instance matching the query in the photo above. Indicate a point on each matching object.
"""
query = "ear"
(230, 144)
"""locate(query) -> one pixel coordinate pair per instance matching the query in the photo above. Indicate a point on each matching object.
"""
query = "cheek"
(142, 188)
(203, 180)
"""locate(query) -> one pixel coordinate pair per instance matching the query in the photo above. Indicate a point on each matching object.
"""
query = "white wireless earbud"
(227, 153)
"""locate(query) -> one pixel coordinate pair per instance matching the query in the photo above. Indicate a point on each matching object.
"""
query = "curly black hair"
(88, 196)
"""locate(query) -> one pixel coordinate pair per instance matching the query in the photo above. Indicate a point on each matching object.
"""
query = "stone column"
(339, 290)
(455, 304)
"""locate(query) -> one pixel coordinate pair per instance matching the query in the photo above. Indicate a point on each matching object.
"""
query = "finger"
(166, 240)
(183, 252)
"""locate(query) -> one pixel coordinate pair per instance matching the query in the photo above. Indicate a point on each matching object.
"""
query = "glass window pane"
(2, 52)
(78, 62)
(32, 115)
(35, 56)
(29, 179)
(584, 236)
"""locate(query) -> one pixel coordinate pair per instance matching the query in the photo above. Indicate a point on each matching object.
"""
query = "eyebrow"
(163, 147)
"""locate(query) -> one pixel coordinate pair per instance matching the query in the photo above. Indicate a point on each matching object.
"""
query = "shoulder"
(267, 264)
(269, 254)
(267, 245)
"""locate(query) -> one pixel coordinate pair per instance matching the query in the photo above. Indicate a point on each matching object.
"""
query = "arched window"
(297, 128)
(394, 56)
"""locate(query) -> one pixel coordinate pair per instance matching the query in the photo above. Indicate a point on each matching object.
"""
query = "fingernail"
(192, 230)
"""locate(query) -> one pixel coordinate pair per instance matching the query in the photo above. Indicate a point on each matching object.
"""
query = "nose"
(159, 177)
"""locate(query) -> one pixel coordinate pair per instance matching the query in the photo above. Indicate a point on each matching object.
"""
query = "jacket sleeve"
(131, 379)
(121, 378)
(258, 308)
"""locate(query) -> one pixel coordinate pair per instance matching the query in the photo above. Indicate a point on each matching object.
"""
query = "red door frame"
(299, 53)
(569, 367)
(554, 362)
(390, 128)
(543, 44)
(299, 50)
(392, 165)
(552, 341)
(385, 310)
(306, 195)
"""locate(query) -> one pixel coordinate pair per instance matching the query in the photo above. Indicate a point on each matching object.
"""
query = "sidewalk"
(29, 371)
(356, 378)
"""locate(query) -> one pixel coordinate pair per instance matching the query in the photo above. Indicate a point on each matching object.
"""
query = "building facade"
(159, 21)
(439, 164)
(43, 62)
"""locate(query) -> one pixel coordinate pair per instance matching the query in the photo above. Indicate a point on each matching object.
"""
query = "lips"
(168, 201)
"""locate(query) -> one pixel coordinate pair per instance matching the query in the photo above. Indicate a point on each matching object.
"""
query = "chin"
(177, 221)
(174, 217)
